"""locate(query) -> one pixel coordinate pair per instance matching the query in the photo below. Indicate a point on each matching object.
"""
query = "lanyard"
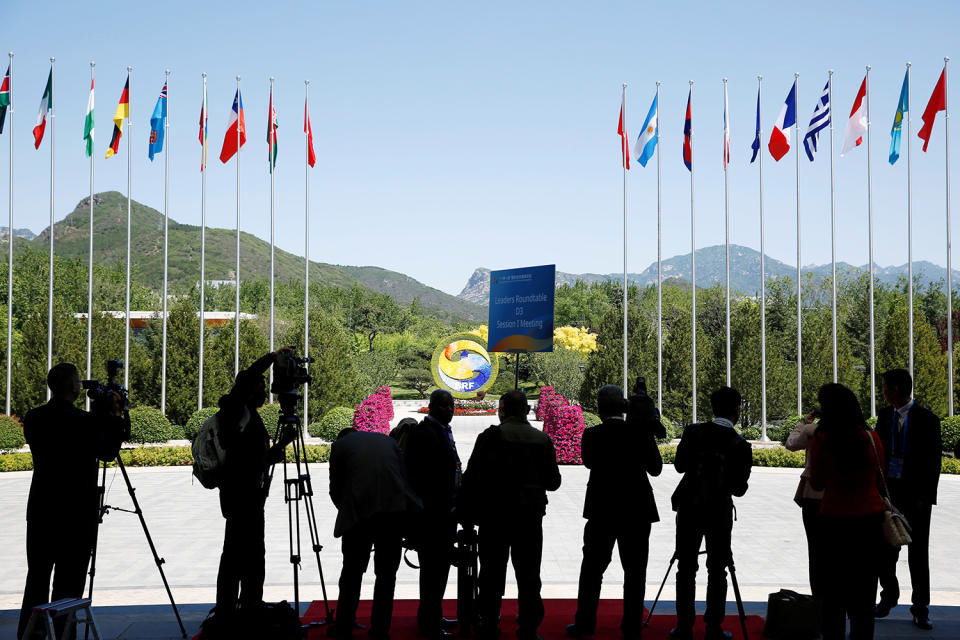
(903, 432)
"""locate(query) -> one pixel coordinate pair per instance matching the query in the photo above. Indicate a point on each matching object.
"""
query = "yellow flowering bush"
(577, 339)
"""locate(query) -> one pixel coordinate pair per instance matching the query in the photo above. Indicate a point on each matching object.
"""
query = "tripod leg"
(102, 492)
(660, 591)
(153, 549)
(317, 548)
(736, 592)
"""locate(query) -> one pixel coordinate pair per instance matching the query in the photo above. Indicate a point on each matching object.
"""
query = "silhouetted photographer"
(66, 444)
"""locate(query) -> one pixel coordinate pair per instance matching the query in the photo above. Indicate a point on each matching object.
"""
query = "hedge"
(154, 457)
(11, 433)
(590, 419)
(148, 424)
(950, 432)
(332, 423)
(192, 428)
(270, 414)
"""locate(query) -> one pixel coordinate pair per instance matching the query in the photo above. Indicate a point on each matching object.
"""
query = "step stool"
(45, 614)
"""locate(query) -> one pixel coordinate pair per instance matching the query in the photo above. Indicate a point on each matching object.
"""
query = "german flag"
(123, 111)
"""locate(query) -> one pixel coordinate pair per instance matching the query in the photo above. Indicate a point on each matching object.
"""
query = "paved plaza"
(184, 519)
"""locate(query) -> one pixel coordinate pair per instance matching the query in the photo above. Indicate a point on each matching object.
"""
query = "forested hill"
(110, 237)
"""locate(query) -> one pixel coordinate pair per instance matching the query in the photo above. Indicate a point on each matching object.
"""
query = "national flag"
(688, 136)
(204, 131)
(902, 107)
(624, 145)
(779, 143)
(46, 101)
(4, 97)
(236, 135)
(123, 111)
(819, 122)
(857, 124)
(756, 136)
(938, 102)
(726, 128)
(88, 122)
(271, 134)
(157, 121)
(647, 140)
(307, 129)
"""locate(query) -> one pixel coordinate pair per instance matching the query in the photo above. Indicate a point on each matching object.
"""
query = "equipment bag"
(278, 621)
(792, 616)
(209, 455)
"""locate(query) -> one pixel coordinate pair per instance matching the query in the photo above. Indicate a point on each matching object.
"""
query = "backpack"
(209, 455)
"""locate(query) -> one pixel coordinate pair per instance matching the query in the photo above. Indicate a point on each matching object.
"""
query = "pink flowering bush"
(562, 423)
(375, 412)
(387, 398)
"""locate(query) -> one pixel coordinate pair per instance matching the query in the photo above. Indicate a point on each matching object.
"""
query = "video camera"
(289, 373)
(100, 394)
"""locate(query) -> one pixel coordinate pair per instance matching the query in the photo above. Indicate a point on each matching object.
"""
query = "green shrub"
(11, 433)
(192, 428)
(332, 423)
(178, 432)
(148, 424)
(669, 428)
(590, 419)
(668, 453)
(504, 382)
(778, 457)
(779, 433)
(950, 465)
(16, 462)
(270, 414)
(872, 423)
(751, 433)
(949, 431)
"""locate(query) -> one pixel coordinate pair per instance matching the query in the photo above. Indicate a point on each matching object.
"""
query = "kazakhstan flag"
(898, 122)
(647, 140)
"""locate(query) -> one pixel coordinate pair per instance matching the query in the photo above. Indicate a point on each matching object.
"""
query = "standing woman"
(844, 464)
(809, 499)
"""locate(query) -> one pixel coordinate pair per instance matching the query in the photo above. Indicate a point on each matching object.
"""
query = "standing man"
(368, 487)
(715, 462)
(912, 449)
(619, 505)
(433, 469)
(512, 467)
(62, 509)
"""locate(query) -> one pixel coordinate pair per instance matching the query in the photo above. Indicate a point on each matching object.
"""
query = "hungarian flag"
(624, 145)
(123, 111)
(46, 101)
(88, 122)
(204, 131)
(307, 129)
(779, 143)
(4, 97)
(938, 102)
(857, 124)
(271, 134)
(236, 135)
(688, 136)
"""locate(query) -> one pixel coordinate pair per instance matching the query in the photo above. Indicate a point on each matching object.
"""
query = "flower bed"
(473, 407)
(457, 411)
(563, 424)
(375, 412)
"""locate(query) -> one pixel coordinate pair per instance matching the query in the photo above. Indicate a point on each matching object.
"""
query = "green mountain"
(110, 237)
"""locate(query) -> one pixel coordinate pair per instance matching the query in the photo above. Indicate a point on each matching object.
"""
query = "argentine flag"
(647, 140)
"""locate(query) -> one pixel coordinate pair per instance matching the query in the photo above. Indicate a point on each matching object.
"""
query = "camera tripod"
(298, 488)
(103, 510)
(733, 582)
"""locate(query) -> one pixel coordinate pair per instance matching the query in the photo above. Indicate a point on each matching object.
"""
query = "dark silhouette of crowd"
(410, 490)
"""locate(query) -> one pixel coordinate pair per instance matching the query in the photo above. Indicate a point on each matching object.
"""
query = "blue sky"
(456, 135)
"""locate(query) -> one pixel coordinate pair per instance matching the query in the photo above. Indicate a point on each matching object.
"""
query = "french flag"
(779, 143)
(236, 135)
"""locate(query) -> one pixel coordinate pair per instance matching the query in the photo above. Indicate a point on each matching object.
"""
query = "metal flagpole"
(693, 272)
(763, 283)
(126, 338)
(166, 244)
(946, 130)
(203, 235)
(90, 268)
(833, 230)
(236, 274)
(273, 169)
(659, 267)
(909, 230)
(306, 248)
(10, 247)
(873, 359)
(796, 128)
(50, 286)
(626, 150)
(726, 216)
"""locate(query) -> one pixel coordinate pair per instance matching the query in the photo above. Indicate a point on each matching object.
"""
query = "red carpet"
(559, 613)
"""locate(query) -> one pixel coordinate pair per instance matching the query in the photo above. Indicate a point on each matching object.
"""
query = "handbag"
(895, 528)
(792, 616)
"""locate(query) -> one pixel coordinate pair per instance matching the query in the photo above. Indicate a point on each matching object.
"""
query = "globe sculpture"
(462, 366)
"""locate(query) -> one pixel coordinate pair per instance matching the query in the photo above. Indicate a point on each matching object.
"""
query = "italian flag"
(88, 122)
(46, 102)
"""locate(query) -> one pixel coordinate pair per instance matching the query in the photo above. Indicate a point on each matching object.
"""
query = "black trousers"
(437, 535)
(382, 534)
(692, 528)
(850, 584)
(242, 563)
(813, 527)
(61, 548)
(520, 540)
(633, 540)
(918, 558)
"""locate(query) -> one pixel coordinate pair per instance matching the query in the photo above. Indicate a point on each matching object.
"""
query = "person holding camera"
(715, 462)
(243, 491)
(809, 499)
(619, 505)
(62, 509)
(504, 492)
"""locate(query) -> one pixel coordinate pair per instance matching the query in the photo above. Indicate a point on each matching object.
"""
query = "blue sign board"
(521, 309)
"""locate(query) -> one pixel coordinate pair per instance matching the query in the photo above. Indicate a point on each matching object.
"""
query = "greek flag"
(819, 121)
